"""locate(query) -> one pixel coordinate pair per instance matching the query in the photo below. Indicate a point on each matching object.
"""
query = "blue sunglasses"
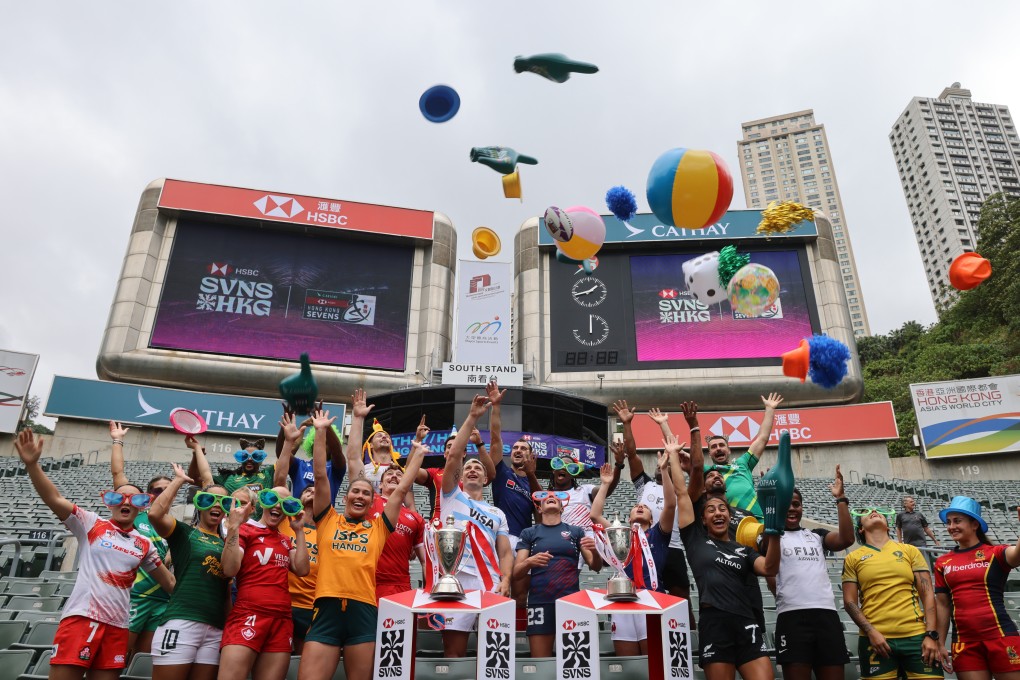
(243, 456)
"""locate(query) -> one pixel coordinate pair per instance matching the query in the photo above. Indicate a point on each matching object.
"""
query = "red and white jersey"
(408, 534)
(110, 559)
(262, 584)
(577, 511)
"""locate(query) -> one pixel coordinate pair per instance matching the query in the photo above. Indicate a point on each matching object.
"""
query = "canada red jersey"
(262, 585)
(409, 533)
(975, 579)
(434, 484)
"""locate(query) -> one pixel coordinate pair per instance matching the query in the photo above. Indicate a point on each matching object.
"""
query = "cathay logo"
(278, 206)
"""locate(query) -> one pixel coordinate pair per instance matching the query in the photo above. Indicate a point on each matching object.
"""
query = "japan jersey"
(490, 522)
(408, 534)
(577, 511)
(262, 584)
(975, 579)
(110, 559)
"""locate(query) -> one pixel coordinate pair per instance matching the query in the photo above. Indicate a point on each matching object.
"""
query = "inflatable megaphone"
(484, 243)
(512, 185)
(439, 103)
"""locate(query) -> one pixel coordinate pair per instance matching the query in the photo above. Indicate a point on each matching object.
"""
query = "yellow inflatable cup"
(484, 243)
(512, 185)
(748, 532)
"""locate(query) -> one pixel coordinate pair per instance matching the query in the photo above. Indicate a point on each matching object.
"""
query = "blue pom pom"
(827, 366)
(621, 202)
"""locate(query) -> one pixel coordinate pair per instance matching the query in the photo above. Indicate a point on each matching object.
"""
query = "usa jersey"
(262, 584)
(975, 579)
(110, 559)
(577, 511)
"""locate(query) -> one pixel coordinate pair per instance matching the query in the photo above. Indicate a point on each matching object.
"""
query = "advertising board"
(968, 417)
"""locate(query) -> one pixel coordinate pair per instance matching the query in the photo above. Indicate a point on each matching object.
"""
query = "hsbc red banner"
(825, 425)
(309, 210)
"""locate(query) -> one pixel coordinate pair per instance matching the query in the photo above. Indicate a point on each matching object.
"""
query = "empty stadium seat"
(11, 632)
(536, 669)
(140, 667)
(39, 604)
(295, 663)
(446, 669)
(42, 589)
(623, 667)
(39, 637)
(34, 616)
(41, 669)
(14, 663)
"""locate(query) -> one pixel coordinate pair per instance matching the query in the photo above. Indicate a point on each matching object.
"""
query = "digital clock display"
(602, 358)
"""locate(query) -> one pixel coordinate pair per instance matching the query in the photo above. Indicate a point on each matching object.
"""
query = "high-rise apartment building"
(952, 153)
(786, 158)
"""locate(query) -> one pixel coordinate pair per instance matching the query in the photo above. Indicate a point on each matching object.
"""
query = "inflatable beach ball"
(689, 188)
(589, 233)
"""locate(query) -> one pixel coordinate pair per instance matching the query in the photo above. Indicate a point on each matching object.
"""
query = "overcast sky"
(98, 99)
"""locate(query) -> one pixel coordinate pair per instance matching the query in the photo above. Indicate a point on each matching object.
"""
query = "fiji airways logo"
(278, 206)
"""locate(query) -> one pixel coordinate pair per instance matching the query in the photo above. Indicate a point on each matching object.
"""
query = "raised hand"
(28, 446)
(475, 437)
(492, 391)
(321, 420)
(418, 450)
(238, 515)
(837, 484)
(658, 416)
(297, 523)
(623, 411)
(690, 409)
(290, 429)
(478, 406)
(193, 444)
(181, 473)
(685, 461)
(117, 431)
(606, 473)
(773, 400)
(619, 451)
(671, 445)
(359, 409)
(422, 430)
(530, 464)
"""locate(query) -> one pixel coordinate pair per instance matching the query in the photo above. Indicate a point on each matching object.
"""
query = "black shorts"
(541, 619)
(675, 574)
(728, 638)
(302, 621)
(811, 636)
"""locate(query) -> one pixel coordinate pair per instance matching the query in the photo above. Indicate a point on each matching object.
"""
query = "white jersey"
(577, 511)
(803, 582)
(488, 518)
(374, 473)
(650, 493)
(110, 559)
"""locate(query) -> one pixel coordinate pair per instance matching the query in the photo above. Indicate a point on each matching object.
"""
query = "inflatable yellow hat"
(367, 446)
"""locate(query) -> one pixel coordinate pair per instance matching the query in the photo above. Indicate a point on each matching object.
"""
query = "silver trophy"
(450, 543)
(620, 588)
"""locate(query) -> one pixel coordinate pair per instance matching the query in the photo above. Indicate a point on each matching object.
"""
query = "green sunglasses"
(574, 469)
(204, 501)
(864, 512)
(290, 506)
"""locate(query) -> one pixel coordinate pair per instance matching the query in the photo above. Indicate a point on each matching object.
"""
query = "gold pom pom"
(781, 217)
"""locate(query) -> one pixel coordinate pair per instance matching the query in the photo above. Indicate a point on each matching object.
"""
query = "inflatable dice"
(701, 276)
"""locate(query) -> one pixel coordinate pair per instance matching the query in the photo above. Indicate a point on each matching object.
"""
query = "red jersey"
(434, 484)
(262, 580)
(408, 534)
(975, 579)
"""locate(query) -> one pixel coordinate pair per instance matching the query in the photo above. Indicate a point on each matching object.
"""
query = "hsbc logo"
(737, 429)
(668, 293)
(388, 623)
(492, 623)
(221, 269)
(673, 623)
(279, 206)
(569, 624)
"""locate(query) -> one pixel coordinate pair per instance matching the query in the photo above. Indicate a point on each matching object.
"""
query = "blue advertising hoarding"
(151, 406)
(544, 446)
(646, 227)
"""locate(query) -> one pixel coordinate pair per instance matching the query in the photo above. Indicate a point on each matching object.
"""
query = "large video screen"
(273, 294)
(634, 312)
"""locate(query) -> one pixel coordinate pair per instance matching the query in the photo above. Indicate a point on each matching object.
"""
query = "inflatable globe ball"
(589, 234)
(753, 289)
(689, 188)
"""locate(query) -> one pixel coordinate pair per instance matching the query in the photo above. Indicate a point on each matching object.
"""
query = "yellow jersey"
(889, 598)
(302, 588)
(348, 554)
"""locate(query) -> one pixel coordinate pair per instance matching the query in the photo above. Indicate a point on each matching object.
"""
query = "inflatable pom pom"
(781, 217)
(828, 362)
(621, 202)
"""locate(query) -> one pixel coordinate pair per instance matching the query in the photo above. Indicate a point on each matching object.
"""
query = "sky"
(320, 98)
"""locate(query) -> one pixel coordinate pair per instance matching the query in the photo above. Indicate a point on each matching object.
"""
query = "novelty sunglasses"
(290, 506)
(864, 512)
(243, 456)
(541, 496)
(205, 501)
(573, 469)
(114, 499)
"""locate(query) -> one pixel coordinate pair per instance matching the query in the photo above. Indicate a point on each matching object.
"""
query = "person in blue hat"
(969, 585)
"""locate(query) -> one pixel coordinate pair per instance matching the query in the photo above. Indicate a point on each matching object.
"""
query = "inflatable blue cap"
(439, 103)
(965, 506)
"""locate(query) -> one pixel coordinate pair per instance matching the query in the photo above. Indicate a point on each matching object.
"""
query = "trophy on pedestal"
(620, 588)
(450, 543)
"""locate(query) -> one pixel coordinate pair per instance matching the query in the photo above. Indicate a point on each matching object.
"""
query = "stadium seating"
(34, 596)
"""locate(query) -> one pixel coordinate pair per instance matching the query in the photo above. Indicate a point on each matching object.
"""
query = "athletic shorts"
(261, 632)
(675, 574)
(728, 638)
(904, 659)
(998, 655)
(541, 619)
(629, 627)
(811, 636)
(179, 642)
(85, 643)
(460, 621)
(145, 613)
(340, 623)
(302, 619)
(389, 589)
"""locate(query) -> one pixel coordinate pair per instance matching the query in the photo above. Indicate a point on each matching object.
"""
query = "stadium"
(223, 288)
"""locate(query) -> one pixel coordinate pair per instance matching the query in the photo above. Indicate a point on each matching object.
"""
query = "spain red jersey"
(394, 563)
(262, 585)
(975, 579)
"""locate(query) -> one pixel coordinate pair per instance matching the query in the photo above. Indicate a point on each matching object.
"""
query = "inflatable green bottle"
(775, 490)
(300, 391)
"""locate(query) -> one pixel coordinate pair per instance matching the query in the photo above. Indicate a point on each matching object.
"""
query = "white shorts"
(179, 642)
(629, 627)
(465, 622)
